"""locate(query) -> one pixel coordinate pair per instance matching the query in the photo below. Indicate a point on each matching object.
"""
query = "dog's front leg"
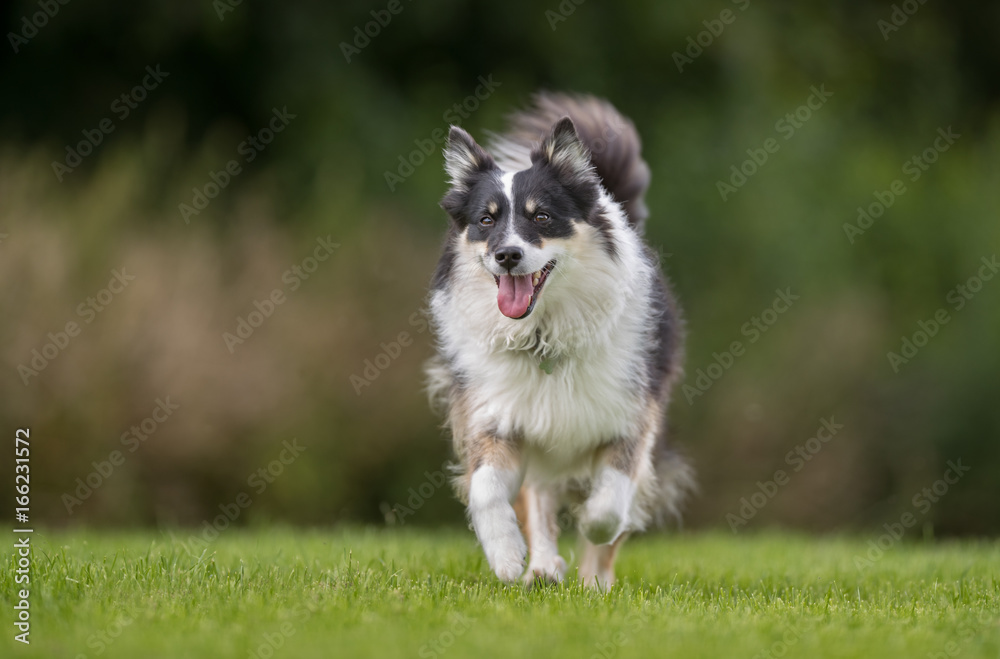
(539, 507)
(605, 513)
(496, 479)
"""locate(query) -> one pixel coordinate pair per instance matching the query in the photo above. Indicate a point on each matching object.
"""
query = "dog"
(558, 340)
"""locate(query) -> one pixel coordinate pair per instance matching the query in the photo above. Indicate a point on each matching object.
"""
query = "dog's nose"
(509, 257)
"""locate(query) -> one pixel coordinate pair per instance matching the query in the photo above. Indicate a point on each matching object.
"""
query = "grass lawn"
(413, 593)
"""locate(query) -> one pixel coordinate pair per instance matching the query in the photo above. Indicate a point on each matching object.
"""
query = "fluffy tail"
(613, 142)
(676, 482)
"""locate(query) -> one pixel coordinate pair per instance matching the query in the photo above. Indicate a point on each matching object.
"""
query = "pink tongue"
(514, 295)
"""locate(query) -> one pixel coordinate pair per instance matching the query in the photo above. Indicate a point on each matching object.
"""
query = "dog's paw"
(605, 513)
(547, 571)
(604, 517)
(602, 527)
(506, 557)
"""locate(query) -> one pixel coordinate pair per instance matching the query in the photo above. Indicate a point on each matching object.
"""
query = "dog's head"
(520, 225)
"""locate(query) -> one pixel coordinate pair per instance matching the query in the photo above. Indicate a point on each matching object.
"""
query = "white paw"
(546, 570)
(496, 523)
(506, 556)
(602, 526)
(605, 513)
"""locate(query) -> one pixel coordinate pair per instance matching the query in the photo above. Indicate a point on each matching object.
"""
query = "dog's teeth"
(534, 279)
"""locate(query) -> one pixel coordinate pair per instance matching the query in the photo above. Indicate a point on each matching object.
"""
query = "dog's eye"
(541, 217)
(486, 221)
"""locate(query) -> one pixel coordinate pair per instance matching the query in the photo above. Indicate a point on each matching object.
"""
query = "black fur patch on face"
(535, 190)
(484, 200)
(563, 165)
(473, 173)
(539, 191)
(561, 184)
(468, 205)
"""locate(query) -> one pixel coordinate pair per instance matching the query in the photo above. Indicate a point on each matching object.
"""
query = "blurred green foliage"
(325, 176)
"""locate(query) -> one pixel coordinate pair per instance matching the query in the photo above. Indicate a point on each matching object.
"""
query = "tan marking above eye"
(530, 205)
(492, 207)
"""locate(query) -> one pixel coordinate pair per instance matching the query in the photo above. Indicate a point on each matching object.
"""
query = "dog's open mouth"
(517, 294)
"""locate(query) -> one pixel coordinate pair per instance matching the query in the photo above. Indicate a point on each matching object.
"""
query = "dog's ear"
(464, 159)
(566, 154)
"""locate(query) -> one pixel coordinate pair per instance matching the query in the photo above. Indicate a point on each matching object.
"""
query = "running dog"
(558, 340)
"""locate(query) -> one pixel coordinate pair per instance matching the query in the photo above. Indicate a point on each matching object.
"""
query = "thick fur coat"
(558, 340)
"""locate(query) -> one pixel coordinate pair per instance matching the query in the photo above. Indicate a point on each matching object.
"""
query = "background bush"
(325, 175)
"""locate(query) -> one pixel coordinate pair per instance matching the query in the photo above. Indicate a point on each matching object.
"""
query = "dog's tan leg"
(606, 511)
(606, 518)
(597, 567)
(605, 514)
(539, 505)
(614, 483)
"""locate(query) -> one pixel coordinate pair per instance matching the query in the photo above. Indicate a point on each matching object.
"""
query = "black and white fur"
(564, 405)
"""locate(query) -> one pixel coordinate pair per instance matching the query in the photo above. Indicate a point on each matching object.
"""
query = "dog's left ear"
(564, 152)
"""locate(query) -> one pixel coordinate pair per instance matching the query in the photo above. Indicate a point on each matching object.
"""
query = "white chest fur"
(591, 326)
(588, 398)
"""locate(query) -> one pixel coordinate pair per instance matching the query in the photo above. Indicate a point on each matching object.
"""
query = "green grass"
(384, 593)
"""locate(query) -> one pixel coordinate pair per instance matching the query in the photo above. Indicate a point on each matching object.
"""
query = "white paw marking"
(505, 553)
(605, 513)
(496, 523)
(547, 569)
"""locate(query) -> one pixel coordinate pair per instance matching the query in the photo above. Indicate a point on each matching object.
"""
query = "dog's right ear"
(464, 159)
(566, 154)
